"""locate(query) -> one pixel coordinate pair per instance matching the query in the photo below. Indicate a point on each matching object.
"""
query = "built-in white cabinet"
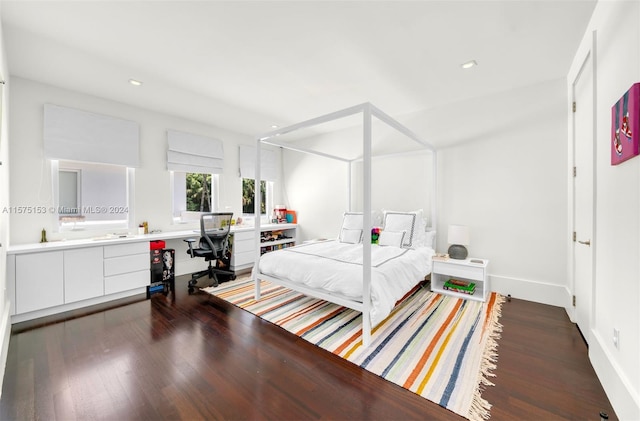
(50, 281)
(50, 278)
(126, 267)
(40, 281)
(243, 254)
(83, 278)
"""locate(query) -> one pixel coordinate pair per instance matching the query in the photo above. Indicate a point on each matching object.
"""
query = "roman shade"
(76, 135)
(194, 154)
(268, 168)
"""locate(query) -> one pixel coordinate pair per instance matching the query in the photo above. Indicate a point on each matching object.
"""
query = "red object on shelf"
(157, 245)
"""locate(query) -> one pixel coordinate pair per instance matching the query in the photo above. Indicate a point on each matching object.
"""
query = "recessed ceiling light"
(135, 82)
(469, 64)
(274, 126)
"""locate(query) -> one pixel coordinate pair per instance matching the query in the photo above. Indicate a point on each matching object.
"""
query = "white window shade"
(76, 135)
(268, 167)
(194, 154)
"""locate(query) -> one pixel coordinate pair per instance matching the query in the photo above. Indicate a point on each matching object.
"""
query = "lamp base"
(456, 251)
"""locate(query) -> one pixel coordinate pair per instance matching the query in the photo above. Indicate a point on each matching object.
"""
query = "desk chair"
(213, 247)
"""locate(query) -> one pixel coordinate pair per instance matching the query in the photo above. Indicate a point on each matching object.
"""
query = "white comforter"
(336, 267)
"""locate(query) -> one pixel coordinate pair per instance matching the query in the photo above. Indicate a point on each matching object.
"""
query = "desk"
(58, 276)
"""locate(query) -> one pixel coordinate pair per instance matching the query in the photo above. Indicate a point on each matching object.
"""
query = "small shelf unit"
(470, 270)
(284, 238)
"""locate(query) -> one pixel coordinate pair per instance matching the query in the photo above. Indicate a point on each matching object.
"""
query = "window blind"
(76, 135)
(268, 168)
(195, 154)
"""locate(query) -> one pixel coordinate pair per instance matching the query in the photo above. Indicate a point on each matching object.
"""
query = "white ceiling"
(244, 65)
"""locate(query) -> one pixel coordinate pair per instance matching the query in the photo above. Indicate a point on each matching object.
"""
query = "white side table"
(473, 270)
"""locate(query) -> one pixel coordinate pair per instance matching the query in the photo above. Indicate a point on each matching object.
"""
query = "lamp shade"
(458, 234)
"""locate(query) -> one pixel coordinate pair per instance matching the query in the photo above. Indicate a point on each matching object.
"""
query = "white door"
(583, 185)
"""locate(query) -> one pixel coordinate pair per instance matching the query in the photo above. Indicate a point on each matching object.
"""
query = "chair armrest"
(190, 241)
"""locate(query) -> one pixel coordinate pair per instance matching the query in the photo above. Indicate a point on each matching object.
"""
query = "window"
(89, 195)
(248, 196)
(193, 193)
(268, 165)
(69, 201)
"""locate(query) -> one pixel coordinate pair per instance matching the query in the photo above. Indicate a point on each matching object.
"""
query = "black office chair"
(213, 247)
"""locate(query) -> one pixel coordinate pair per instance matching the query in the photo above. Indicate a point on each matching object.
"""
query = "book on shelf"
(440, 256)
(457, 285)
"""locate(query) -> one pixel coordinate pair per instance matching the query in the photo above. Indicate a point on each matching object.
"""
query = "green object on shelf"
(460, 286)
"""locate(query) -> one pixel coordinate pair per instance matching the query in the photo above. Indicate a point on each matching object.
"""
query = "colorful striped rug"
(440, 347)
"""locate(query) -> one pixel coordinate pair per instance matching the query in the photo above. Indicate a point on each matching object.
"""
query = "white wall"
(30, 176)
(316, 188)
(5, 324)
(617, 245)
(507, 182)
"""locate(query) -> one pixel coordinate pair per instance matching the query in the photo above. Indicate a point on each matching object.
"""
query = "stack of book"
(464, 287)
(440, 256)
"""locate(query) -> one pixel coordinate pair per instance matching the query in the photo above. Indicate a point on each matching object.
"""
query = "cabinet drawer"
(126, 281)
(242, 246)
(461, 271)
(124, 264)
(126, 249)
(244, 235)
(241, 259)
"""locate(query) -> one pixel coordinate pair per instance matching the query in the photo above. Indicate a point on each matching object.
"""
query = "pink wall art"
(625, 126)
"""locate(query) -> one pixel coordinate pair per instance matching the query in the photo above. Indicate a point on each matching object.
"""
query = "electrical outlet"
(616, 338)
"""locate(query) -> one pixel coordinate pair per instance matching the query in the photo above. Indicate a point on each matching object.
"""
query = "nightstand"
(472, 270)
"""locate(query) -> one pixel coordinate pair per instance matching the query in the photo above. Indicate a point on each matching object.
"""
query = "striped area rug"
(440, 347)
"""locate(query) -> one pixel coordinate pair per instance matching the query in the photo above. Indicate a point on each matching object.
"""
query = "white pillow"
(352, 236)
(352, 220)
(401, 221)
(430, 239)
(391, 238)
(416, 237)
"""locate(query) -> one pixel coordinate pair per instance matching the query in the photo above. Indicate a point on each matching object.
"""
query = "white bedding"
(336, 267)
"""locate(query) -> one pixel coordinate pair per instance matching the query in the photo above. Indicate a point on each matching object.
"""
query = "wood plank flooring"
(195, 357)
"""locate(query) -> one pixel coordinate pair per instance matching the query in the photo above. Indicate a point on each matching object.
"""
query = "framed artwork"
(625, 126)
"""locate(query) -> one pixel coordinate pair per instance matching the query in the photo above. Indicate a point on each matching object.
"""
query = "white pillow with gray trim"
(391, 238)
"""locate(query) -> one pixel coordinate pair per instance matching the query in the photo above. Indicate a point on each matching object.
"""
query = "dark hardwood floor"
(197, 357)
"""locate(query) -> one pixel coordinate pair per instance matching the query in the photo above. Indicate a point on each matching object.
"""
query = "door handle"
(586, 243)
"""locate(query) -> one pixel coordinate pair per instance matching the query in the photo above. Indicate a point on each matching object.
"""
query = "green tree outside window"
(248, 196)
(198, 192)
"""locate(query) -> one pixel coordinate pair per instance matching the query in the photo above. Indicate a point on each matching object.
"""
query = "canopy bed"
(359, 270)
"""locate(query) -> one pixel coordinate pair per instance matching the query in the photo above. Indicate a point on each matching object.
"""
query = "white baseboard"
(5, 335)
(618, 388)
(22, 317)
(536, 291)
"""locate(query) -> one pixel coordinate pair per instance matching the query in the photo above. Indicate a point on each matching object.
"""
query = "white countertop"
(113, 239)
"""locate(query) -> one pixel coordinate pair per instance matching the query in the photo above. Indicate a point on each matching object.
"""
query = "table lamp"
(458, 237)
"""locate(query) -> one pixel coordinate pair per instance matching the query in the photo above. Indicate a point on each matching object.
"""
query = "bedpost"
(256, 212)
(434, 195)
(366, 213)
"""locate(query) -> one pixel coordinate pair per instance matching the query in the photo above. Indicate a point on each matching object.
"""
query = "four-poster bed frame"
(368, 112)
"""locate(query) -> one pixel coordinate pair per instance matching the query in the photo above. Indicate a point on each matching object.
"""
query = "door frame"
(588, 53)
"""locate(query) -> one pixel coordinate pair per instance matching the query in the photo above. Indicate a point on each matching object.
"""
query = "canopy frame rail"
(368, 111)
